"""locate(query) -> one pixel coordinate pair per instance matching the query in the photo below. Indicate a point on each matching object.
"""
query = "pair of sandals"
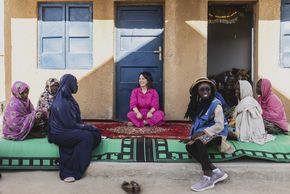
(131, 187)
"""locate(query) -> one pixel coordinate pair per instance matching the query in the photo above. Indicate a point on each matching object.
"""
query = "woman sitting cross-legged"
(75, 139)
(208, 129)
(249, 123)
(273, 110)
(144, 103)
(20, 119)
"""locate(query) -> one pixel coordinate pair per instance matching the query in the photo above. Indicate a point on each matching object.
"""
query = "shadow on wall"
(286, 102)
(95, 95)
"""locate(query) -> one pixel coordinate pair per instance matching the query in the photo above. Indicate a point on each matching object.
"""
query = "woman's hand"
(196, 135)
(149, 115)
(38, 115)
(139, 115)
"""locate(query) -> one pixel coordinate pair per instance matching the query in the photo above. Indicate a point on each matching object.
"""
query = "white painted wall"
(24, 54)
(2, 75)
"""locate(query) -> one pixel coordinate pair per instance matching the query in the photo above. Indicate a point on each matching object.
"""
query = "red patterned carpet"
(170, 130)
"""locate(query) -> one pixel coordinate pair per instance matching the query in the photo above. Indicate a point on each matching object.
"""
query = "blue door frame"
(139, 36)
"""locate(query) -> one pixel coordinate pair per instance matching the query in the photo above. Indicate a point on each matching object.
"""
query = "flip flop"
(127, 187)
(131, 188)
(136, 187)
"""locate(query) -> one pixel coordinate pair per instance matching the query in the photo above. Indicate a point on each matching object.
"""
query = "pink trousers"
(156, 119)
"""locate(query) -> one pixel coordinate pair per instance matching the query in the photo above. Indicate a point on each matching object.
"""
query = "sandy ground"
(154, 178)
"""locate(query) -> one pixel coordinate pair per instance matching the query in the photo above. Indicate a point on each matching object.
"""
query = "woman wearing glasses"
(208, 129)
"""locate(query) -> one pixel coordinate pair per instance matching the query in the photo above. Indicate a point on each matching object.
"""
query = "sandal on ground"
(136, 187)
(69, 179)
(131, 188)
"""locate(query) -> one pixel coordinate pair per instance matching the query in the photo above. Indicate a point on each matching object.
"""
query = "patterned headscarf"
(18, 88)
(50, 82)
(47, 96)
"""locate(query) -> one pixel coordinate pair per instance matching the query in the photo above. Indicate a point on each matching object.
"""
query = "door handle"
(159, 52)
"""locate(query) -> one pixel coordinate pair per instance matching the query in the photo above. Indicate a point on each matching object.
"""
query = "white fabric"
(219, 122)
(248, 115)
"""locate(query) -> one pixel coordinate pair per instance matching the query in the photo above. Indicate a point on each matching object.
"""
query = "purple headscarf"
(19, 115)
(273, 109)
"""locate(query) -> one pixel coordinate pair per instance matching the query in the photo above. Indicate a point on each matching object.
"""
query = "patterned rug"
(170, 130)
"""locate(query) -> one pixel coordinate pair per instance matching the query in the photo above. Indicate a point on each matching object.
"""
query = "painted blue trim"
(52, 59)
(80, 57)
(41, 55)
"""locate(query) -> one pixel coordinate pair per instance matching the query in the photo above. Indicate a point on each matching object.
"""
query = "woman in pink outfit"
(273, 110)
(144, 104)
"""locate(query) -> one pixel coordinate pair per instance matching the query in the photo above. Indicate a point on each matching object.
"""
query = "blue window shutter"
(79, 36)
(285, 34)
(51, 33)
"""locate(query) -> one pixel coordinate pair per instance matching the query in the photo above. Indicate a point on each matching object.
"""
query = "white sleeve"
(219, 122)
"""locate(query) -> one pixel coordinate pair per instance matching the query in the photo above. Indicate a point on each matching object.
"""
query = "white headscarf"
(248, 114)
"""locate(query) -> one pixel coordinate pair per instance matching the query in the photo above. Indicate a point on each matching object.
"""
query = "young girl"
(208, 129)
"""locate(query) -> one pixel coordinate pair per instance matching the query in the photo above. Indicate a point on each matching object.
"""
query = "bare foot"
(130, 124)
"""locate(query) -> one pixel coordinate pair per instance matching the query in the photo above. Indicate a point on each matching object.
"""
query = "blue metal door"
(139, 46)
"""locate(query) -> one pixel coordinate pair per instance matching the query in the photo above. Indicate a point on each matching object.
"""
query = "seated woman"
(20, 119)
(144, 103)
(48, 95)
(208, 129)
(75, 139)
(273, 110)
(248, 116)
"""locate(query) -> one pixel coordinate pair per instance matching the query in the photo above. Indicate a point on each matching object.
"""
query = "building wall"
(2, 75)
(268, 44)
(95, 85)
(185, 52)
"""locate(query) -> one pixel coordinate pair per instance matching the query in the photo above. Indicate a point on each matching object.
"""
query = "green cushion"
(39, 154)
(174, 151)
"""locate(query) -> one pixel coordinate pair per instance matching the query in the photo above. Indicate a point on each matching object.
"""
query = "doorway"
(139, 48)
(230, 46)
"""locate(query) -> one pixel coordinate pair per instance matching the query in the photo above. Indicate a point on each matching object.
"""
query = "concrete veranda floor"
(154, 178)
(245, 177)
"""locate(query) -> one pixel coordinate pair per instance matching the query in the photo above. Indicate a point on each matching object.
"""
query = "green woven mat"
(39, 154)
(174, 151)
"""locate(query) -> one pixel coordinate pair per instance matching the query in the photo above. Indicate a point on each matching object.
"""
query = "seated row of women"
(21, 120)
(75, 139)
(58, 110)
(210, 127)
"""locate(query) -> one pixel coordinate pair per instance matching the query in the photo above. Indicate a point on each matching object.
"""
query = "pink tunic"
(144, 102)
